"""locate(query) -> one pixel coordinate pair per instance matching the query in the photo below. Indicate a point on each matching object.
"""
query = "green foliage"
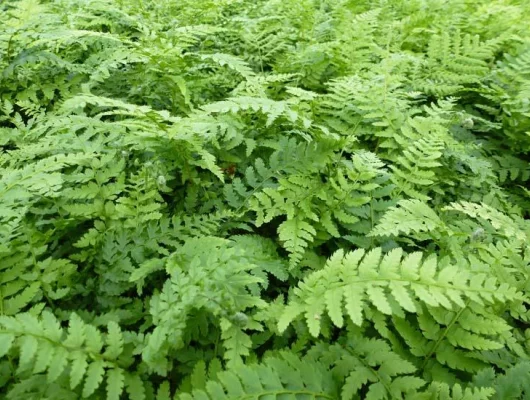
(273, 199)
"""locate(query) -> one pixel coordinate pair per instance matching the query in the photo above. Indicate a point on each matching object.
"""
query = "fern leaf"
(76, 332)
(409, 216)
(135, 387)
(237, 342)
(296, 235)
(163, 392)
(114, 341)
(439, 391)
(362, 364)
(28, 350)
(94, 377)
(115, 383)
(58, 364)
(374, 280)
(79, 367)
(232, 62)
(276, 377)
(5, 343)
(44, 358)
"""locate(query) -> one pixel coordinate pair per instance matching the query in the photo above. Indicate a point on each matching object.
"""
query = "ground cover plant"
(267, 199)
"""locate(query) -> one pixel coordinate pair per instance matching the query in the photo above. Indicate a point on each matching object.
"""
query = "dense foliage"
(266, 199)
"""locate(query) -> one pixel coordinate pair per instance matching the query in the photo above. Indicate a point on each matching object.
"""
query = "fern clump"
(276, 199)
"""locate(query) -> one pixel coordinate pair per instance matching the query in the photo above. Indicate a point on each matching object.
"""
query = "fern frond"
(273, 109)
(276, 377)
(509, 225)
(390, 283)
(296, 235)
(414, 169)
(222, 267)
(368, 365)
(439, 391)
(231, 62)
(81, 353)
(408, 216)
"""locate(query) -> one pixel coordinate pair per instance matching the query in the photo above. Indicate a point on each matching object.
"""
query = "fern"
(81, 353)
(275, 377)
(511, 226)
(225, 296)
(443, 391)
(391, 284)
(368, 365)
(410, 216)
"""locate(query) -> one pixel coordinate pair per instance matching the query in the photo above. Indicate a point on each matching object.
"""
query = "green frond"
(222, 266)
(453, 61)
(510, 226)
(231, 62)
(81, 353)
(407, 217)
(295, 235)
(390, 283)
(368, 366)
(439, 391)
(275, 377)
(272, 109)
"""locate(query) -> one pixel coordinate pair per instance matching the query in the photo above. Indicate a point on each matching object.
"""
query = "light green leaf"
(115, 383)
(94, 377)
